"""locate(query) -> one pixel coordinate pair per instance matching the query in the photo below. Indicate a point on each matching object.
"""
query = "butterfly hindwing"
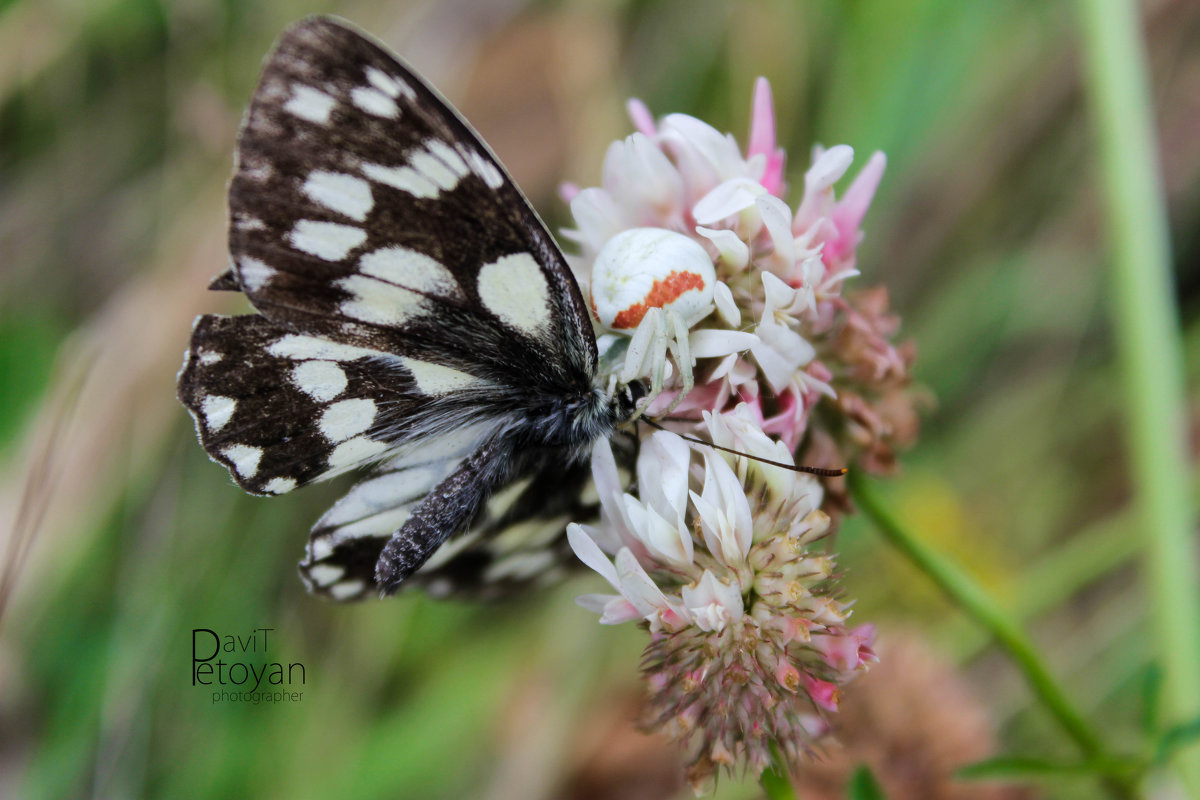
(516, 540)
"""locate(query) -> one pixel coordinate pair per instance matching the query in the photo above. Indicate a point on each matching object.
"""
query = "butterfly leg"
(445, 511)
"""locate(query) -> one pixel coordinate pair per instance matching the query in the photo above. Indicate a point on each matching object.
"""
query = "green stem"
(1150, 351)
(979, 606)
(775, 782)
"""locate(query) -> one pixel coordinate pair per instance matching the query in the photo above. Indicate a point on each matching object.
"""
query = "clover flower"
(730, 303)
(707, 283)
(749, 644)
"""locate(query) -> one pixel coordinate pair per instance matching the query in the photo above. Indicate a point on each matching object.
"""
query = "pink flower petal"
(641, 117)
(823, 693)
(762, 137)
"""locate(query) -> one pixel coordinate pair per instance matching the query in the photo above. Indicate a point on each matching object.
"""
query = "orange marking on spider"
(662, 293)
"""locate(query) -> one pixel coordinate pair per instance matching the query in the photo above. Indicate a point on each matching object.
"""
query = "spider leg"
(681, 349)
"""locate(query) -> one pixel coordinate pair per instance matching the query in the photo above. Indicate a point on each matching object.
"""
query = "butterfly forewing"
(365, 211)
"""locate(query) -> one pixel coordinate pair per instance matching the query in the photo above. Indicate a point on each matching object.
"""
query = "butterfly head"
(626, 399)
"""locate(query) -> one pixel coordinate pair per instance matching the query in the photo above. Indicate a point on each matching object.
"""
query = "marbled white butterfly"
(413, 315)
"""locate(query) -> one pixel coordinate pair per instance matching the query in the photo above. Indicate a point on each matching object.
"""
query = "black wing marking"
(365, 211)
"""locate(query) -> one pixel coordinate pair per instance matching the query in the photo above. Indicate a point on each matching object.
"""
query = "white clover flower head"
(713, 556)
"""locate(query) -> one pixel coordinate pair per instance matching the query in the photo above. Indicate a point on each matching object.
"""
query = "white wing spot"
(345, 194)
(245, 458)
(520, 566)
(380, 302)
(435, 379)
(210, 357)
(328, 240)
(280, 485)
(482, 166)
(325, 574)
(410, 269)
(392, 87)
(384, 493)
(355, 451)
(297, 347)
(433, 167)
(514, 289)
(217, 411)
(438, 164)
(320, 380)
(374, 102)
(403, 178)
(254, 274)
(383, 82)
(449, 550)
(310, 104)
(384, 523)
(346, 590)
(502, 501)
(347, 418)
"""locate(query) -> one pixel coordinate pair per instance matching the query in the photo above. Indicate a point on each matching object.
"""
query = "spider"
(653, 285)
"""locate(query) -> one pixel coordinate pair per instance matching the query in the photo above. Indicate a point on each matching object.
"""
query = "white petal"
(619, 610)
(590, 554)
(778, 294)
(780, 353)
(598, 216)
(730, 247)
(662, 470)
(828, 168)
(712, 602)
(726, 199)
(778, 219)
(641, 591)
(723, 297)
(715, 342)
(640, 176)
(669, 543)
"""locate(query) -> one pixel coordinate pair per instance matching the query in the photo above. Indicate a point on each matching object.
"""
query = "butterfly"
(413, 316)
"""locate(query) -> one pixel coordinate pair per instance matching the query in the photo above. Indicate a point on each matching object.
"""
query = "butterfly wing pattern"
(413, 315)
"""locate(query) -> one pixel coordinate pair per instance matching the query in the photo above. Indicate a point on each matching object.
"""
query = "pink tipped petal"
(762, 137)
(567, 191)
(619, 610)
(847, 215)
(788, 676)
(762, 120)
(641, 117)
(823, 693)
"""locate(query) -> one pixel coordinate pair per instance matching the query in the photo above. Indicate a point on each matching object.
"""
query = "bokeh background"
(117, 123)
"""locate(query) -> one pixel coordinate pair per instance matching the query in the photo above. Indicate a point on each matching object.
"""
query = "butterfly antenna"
(824, 472)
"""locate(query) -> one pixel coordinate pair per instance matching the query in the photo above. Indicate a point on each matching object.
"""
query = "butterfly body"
(413, 317)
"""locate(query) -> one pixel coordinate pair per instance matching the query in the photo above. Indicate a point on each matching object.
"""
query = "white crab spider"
(654, 285)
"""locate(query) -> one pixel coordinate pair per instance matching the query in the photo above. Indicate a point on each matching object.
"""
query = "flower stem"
(1151, 354)
(775, 782)
(983, 609)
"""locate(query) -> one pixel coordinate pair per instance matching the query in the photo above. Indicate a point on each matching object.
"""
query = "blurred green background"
(117, 122)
